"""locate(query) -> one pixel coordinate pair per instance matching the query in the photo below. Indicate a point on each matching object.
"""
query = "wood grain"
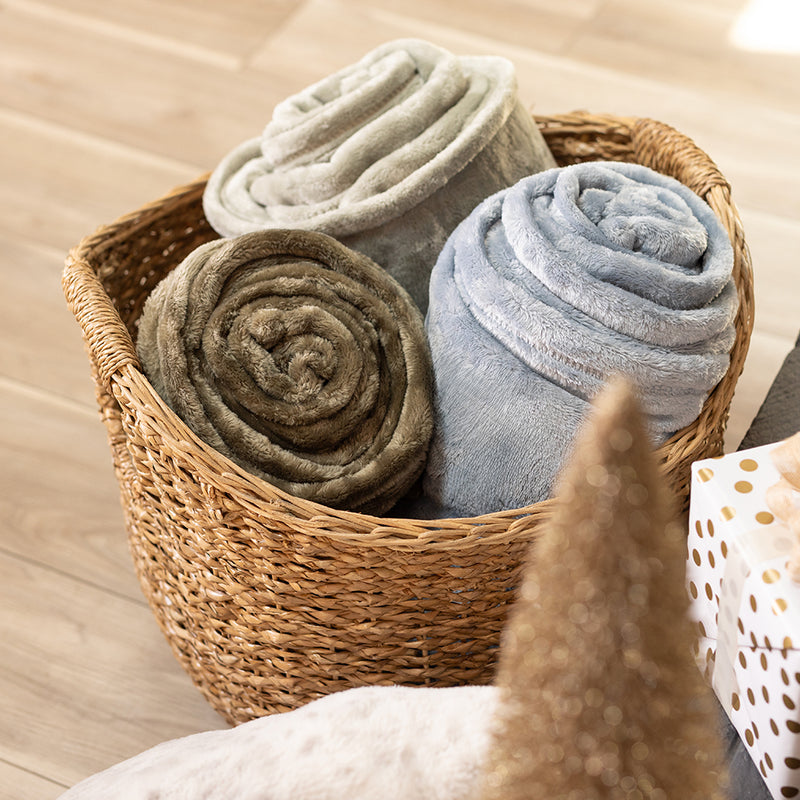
(205, 30)
(16, 783)
(686, 44)
(60, 502)
(59, 185)
(40, 342)
(86, 678)
(536, 24)
(118, 90)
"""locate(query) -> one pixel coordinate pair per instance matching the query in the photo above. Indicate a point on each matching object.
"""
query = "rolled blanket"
(300, 360)
(388, 155)
(546, 291)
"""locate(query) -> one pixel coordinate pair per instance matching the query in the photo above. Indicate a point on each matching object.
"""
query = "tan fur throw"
(600, 694)
(299, 359)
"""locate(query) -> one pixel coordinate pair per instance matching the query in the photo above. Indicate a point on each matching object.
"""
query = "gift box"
(747, 608)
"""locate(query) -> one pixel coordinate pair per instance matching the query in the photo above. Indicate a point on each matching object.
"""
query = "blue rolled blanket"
(543, 293)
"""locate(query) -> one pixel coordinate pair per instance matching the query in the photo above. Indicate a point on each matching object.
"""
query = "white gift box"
(747, 609)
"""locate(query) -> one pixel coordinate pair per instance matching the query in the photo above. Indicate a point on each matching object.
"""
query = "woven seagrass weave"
(269, 601)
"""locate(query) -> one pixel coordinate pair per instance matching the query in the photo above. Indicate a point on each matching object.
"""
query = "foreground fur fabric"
(388, 155)
(299, 359)
(598, 695)
(541, 294)
(368, 743)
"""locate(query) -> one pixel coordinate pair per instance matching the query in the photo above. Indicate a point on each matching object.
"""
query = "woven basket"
(269, 601)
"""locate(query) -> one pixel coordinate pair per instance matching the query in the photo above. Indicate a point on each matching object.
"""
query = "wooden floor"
(105, 105)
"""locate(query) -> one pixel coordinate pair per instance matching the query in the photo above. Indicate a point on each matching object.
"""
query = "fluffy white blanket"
(368, 743)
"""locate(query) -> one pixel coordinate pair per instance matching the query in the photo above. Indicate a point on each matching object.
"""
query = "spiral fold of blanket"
(387, 155)
(300, 360)
(544, 293)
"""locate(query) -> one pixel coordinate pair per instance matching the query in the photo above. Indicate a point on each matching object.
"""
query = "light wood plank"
(536, 24)
(60, 500)
(86, 678)
(153, 100)
(16, 783)
(299, 44)
(734, 134)
(199, 29)
(58, 185)
(732, 6)
(40, 341)
(681, 42)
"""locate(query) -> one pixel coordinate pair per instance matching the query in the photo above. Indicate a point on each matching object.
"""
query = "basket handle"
(108, 340)
(673, 153)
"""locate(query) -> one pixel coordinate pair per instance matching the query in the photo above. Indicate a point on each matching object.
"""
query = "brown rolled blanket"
(301, 360)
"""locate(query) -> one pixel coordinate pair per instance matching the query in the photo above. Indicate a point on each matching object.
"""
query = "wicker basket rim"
(123, 375)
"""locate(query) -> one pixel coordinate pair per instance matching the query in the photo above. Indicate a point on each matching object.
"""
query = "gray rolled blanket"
(300, 360)
(387, 155)
(545, 291)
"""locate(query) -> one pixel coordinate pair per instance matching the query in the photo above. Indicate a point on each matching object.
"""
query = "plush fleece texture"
(388, 155)
(369, 743)
(300, 360)
(540, 295)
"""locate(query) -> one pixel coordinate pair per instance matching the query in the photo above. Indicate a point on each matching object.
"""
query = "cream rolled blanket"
(387, 155)
(300, 360)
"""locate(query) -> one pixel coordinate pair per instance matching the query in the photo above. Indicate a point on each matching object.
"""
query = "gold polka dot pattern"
(734, 589)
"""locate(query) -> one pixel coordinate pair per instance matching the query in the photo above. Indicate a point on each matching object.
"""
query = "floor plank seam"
(115, 31)
(35, 774)
(249, 57)
(577, 65)
(581, 30)
(49, 127)
(14, 237)
(11, 384)
(33, 562)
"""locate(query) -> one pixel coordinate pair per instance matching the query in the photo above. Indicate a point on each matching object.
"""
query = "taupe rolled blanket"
(388, 155)
(299, 359)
